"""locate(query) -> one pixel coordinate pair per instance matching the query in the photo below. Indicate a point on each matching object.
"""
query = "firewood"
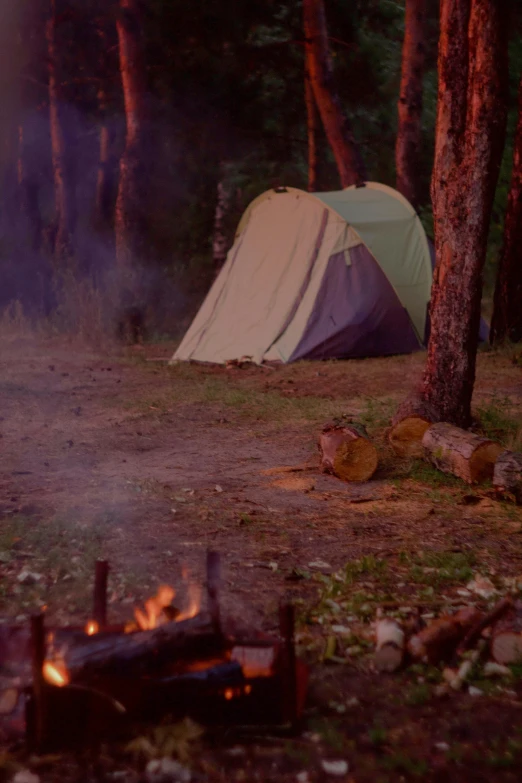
(460, 452)
(141, 651)
(473, 634)
(439, 639)
(412, 419)
(389, 651)
(507, 475)
(347, 452)
(506, 637)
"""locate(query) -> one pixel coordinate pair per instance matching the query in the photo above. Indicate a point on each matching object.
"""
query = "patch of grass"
(401, 762)
(498, 422)
(377, 413)
(437, 568)
(331, 733)
(378, 735)
(418, 694)
(425, 473)
(367, 565)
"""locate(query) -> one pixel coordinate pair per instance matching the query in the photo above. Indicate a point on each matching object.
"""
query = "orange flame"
(194, 595)
(55, 673)
(92, 627)
(150, 618)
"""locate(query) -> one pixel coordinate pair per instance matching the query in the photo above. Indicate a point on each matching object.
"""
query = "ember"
(55, 673)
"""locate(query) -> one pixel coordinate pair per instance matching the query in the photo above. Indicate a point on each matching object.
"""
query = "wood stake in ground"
(347, 452)
(412, 419)
(460, 452)
(507, 475)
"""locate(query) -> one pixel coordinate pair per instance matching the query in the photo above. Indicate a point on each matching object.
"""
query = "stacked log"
(347, 452)
(507, 475)
(412, 419)
(460, 452)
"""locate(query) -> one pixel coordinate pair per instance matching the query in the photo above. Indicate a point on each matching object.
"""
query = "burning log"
(347, 452)
(506, 638)
(140, 652)
(438, 641)
(460, 452)
(413, 417)
(507, 475)
(389, 652)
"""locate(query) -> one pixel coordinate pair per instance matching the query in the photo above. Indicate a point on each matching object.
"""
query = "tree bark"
(471, 119)
(506, 323)
(336, 124)
(410, 101)
(219, 238)
(64, 195)
(130, 203)
(106, 184)
(28, 193)
(312, 128)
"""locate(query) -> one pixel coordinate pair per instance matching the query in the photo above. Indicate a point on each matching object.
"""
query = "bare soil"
(118, 455)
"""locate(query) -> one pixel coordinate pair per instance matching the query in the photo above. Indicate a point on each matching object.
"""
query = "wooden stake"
(39, 686)
(99, 611)
(288, 664)
(213, 582)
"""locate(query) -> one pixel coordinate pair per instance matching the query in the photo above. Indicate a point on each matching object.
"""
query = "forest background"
(224, 119)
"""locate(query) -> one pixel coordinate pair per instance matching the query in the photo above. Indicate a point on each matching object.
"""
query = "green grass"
(498, 422)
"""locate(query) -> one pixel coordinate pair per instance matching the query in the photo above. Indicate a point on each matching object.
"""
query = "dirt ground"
(114, 454)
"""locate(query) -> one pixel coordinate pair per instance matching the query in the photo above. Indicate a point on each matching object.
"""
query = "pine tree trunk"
(130, 203)
(106, 183)
(471, 118)
(312, 128)
(28, 192)
(410, 101)
(64, 194)
(336, 124)
(219, 237)
(506, 323)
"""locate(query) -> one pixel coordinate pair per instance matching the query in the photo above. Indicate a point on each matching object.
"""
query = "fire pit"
(67, 686)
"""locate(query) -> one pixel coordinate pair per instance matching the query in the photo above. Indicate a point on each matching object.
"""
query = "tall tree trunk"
(471, 118)
(130, 203)
(219, 237)
(28, 193)
(106, 180)
(336, 124)
(312, 128)
(506, 323)
(410, 101)
(64, 195)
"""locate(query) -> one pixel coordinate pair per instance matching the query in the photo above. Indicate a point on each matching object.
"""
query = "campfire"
(78, 684)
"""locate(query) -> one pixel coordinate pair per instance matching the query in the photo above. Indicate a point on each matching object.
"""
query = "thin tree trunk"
(130, 203)
(219, 237)
(336, 124)
(62, 170)
(506, 323)
(471, 118)
(28, 191)
(312, 128)
(106, 185)
(410, 101)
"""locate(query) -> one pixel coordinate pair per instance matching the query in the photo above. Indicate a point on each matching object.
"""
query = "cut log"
(460, 452)
(507, 475)
(389, 650)
(412, 419)
(142, 652)
(493, 616)
(438, 641)
(347, 452)
(506, 637)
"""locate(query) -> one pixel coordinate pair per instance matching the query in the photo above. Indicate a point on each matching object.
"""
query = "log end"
(482, 462)
(355, 460)
(506, 647)
(406, 436)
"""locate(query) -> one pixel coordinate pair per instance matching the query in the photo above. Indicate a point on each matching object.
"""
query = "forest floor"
(114, 454)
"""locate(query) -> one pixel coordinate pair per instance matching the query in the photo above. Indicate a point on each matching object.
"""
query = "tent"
(317, 276)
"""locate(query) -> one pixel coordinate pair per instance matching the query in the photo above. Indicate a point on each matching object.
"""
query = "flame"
(55, 673)
(150, 618)
(194, 596)
(92, 627)
(229, 694)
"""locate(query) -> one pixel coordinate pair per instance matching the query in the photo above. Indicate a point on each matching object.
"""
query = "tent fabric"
(349, 270)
